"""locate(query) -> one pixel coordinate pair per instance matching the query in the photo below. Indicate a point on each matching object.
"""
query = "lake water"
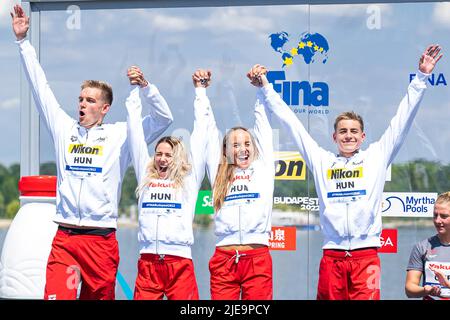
(295, 273)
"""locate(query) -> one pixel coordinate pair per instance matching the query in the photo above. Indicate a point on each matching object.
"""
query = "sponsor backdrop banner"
(408, 204)
(388, 239)
(204, 203)
(289, 166)
(283, 238)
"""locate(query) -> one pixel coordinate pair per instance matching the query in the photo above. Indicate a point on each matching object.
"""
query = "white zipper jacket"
(166, 213)
(246, 215)
(90, 162)
(350, 189)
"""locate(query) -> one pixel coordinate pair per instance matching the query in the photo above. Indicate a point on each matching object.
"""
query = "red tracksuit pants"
(243, 274)
(160, 275)
(349, 275)
(91, 259)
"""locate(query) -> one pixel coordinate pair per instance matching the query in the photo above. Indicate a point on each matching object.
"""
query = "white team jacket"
(166, 213)
(350, 189)
(246, 215)
(90, 162)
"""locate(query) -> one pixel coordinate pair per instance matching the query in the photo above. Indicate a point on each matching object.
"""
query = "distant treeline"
(9, 194)
(414, 176)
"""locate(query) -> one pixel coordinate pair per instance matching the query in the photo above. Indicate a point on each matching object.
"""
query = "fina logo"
(311, 47)
(434, 80)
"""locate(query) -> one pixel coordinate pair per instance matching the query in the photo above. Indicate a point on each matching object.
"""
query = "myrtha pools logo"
(408, 204)
(309, 48)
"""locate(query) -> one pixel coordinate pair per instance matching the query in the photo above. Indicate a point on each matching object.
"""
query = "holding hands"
(432, 290)
(257, 75)
(136, 76)
(201, 78)
(435, 290)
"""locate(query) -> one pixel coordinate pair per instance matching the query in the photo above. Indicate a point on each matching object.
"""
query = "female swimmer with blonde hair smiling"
(167, 191)
(242, 171)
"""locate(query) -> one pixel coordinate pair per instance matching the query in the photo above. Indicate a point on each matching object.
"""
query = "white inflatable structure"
(28, 242)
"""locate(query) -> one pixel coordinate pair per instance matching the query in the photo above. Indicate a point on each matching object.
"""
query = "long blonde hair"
(177, 170)
(226, 169)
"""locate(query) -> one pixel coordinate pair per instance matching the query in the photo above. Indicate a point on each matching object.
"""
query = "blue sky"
(367, 70)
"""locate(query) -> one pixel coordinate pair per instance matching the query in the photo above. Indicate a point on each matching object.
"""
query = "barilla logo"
(311, 47)
(161, 184)
(82, 149)
(340, 173)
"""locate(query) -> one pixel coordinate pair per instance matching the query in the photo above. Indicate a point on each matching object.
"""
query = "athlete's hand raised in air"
(257, 75)
(20, 22)
(201, 78)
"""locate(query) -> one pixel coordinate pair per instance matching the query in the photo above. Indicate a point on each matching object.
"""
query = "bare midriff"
(242, 247)
(78, 227)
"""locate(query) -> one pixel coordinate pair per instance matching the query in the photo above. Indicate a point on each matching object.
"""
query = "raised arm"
(308, 148)
(204, 117)
(262, 128)
(160, 116)
(395, 134)
(135, 134)
(46, 103)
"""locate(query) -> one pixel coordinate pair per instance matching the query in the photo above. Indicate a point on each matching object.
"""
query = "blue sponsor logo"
(83, 169)
(310, 48)
(162, 205)
(410, 204)
(315, 94)
(341, 194)
(433, 79)
(242, 196)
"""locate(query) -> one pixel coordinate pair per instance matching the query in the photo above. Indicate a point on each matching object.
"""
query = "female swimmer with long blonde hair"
(167, 191)
(242, 169)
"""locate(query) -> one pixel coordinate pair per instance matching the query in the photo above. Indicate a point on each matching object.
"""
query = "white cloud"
(219, 19)
(9, 104)
(176, 24)
(5, 8)
(232, 19)
(165, 22)
(342, 10)
(441, 13)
